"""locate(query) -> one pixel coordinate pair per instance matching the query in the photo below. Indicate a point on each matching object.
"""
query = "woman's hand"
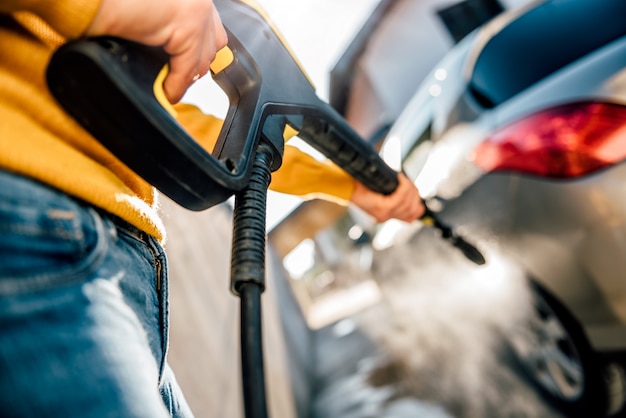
(191, 31)
(405, 203)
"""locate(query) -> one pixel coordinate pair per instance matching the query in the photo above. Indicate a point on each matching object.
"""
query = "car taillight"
(562, 142)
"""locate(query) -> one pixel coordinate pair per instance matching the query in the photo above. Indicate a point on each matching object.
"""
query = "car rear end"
(527, 149)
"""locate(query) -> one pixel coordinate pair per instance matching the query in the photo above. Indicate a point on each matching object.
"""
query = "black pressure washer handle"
(285, 96)
(111, 87)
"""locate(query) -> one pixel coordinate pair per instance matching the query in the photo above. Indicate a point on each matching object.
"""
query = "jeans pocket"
(46, 238)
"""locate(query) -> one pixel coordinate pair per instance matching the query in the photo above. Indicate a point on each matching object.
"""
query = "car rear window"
(541, 41)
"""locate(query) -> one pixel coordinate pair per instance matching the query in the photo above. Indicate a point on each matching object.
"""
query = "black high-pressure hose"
(248, 279)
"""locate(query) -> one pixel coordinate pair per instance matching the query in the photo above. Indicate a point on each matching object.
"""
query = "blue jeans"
(83, 311)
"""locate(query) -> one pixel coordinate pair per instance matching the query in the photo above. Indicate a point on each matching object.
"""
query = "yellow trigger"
(223, 59)
(289, 132)
(159, 93)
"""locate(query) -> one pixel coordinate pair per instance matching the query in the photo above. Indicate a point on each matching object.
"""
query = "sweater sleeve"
(300, 174)
(304, 176)
(70, 18)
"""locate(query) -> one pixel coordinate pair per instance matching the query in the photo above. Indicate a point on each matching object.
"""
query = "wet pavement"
(354, 377)
(433, 347)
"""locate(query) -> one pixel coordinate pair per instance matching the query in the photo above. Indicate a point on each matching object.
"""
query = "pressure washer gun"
(113, 87)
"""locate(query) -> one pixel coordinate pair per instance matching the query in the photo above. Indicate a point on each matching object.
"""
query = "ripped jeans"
(83, 311)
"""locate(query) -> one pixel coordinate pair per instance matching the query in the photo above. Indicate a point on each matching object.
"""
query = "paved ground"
(432, 348)
(358, 379)
(354, 379)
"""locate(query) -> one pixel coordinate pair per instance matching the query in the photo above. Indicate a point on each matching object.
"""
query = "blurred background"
(393, 320)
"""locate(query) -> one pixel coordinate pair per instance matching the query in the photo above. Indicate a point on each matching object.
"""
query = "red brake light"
(565, 141)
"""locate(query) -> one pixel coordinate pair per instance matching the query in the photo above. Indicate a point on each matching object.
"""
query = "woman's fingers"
(191, 60)
(190, 31)
(405, 203)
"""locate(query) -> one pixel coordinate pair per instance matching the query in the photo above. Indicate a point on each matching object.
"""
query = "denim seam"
(9, 286)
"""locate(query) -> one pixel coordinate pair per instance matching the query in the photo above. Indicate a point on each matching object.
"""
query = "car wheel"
(558, 359)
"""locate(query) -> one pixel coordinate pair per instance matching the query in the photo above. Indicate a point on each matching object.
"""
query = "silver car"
(519, 137)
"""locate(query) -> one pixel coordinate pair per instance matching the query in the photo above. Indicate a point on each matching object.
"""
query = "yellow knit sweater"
(39, 140)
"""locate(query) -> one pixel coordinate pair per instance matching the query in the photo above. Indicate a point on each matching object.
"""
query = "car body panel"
(570, 235)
